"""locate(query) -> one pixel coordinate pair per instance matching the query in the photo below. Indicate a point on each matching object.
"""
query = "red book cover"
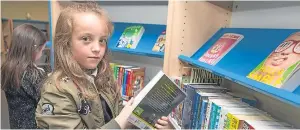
(128, 84)
(221, 48)
(246, 126)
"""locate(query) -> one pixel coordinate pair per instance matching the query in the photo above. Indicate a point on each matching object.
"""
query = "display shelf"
(256, 45)
(146, 43)
(27, 21)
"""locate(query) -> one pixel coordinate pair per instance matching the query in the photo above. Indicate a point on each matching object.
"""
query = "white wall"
(266, 14)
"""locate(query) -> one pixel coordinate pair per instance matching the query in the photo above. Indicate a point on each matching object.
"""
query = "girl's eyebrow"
(104, 37)
(90, 34)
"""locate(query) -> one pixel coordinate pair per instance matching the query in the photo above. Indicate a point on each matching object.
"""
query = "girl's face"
(89, 39)
(38, 54)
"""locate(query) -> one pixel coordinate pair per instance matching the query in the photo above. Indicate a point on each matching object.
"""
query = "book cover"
(158, 98)
(137, 80)
(215, 53)
(280, 65)
(159, 46)
(131, 37)
(176, 114)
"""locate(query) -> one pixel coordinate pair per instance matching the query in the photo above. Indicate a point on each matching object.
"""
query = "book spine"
(228, 121)
(129, 83)
(216, 125)
(202, 114)
(124, 78)
(212, 115)
(194, 111)
(222, 119)
(234, 124)
(246, 126)
(198, 113)
(207, 118)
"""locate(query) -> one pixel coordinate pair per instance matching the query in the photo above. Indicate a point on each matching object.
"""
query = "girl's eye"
(86, 39)
(103, 41)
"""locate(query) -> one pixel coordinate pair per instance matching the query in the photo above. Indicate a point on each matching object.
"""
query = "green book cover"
(131, 37)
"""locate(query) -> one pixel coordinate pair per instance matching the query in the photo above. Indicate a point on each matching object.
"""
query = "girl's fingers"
(158, 126)
(130, 101)
(162, 122)
(165, 118)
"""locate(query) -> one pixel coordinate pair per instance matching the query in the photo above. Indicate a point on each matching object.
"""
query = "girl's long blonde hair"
(63, 56)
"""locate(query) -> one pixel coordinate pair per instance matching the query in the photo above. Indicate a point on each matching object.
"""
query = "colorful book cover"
(131, 37)
(137, 81)
(221, 48)
(159, 46)
(280, 65)
(157, 99)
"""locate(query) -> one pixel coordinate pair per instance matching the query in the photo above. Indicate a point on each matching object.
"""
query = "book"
(158, 98)
(224, 44)
(281, 66)
(176, 114)
(131, 37)
(190, 105)
(159, 46)
(130, 78)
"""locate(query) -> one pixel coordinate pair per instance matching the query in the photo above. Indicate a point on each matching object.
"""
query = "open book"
(159, 97)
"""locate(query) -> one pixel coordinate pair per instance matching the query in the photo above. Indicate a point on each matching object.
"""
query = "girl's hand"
(164, 123)
(121, 119)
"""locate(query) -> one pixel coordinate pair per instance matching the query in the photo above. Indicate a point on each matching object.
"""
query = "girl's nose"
(96, 48)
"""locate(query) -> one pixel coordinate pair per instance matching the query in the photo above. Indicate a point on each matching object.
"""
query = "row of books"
(129, 78)
(132, 35)
(209, 106)
(191, 75)
(197, 75)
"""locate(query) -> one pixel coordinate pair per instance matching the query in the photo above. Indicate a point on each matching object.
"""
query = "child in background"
(20, 77)
(82, 93)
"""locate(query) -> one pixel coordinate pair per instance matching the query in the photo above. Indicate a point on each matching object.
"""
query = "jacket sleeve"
(112, 124)
(57, 109)
(120, 104)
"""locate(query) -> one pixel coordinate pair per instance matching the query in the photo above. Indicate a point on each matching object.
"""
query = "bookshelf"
(193, 26)
(145, 45)
(245, 56)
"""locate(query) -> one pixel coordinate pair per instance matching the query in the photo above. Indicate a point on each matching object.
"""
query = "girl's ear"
(39, 52)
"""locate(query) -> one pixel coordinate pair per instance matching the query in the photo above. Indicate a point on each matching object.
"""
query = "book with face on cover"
(281, 68)
(158, 98)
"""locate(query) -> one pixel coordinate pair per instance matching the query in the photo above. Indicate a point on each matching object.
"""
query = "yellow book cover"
(281, 64)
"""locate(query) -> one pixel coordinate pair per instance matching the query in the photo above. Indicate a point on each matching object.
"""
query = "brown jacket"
(66, 109)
